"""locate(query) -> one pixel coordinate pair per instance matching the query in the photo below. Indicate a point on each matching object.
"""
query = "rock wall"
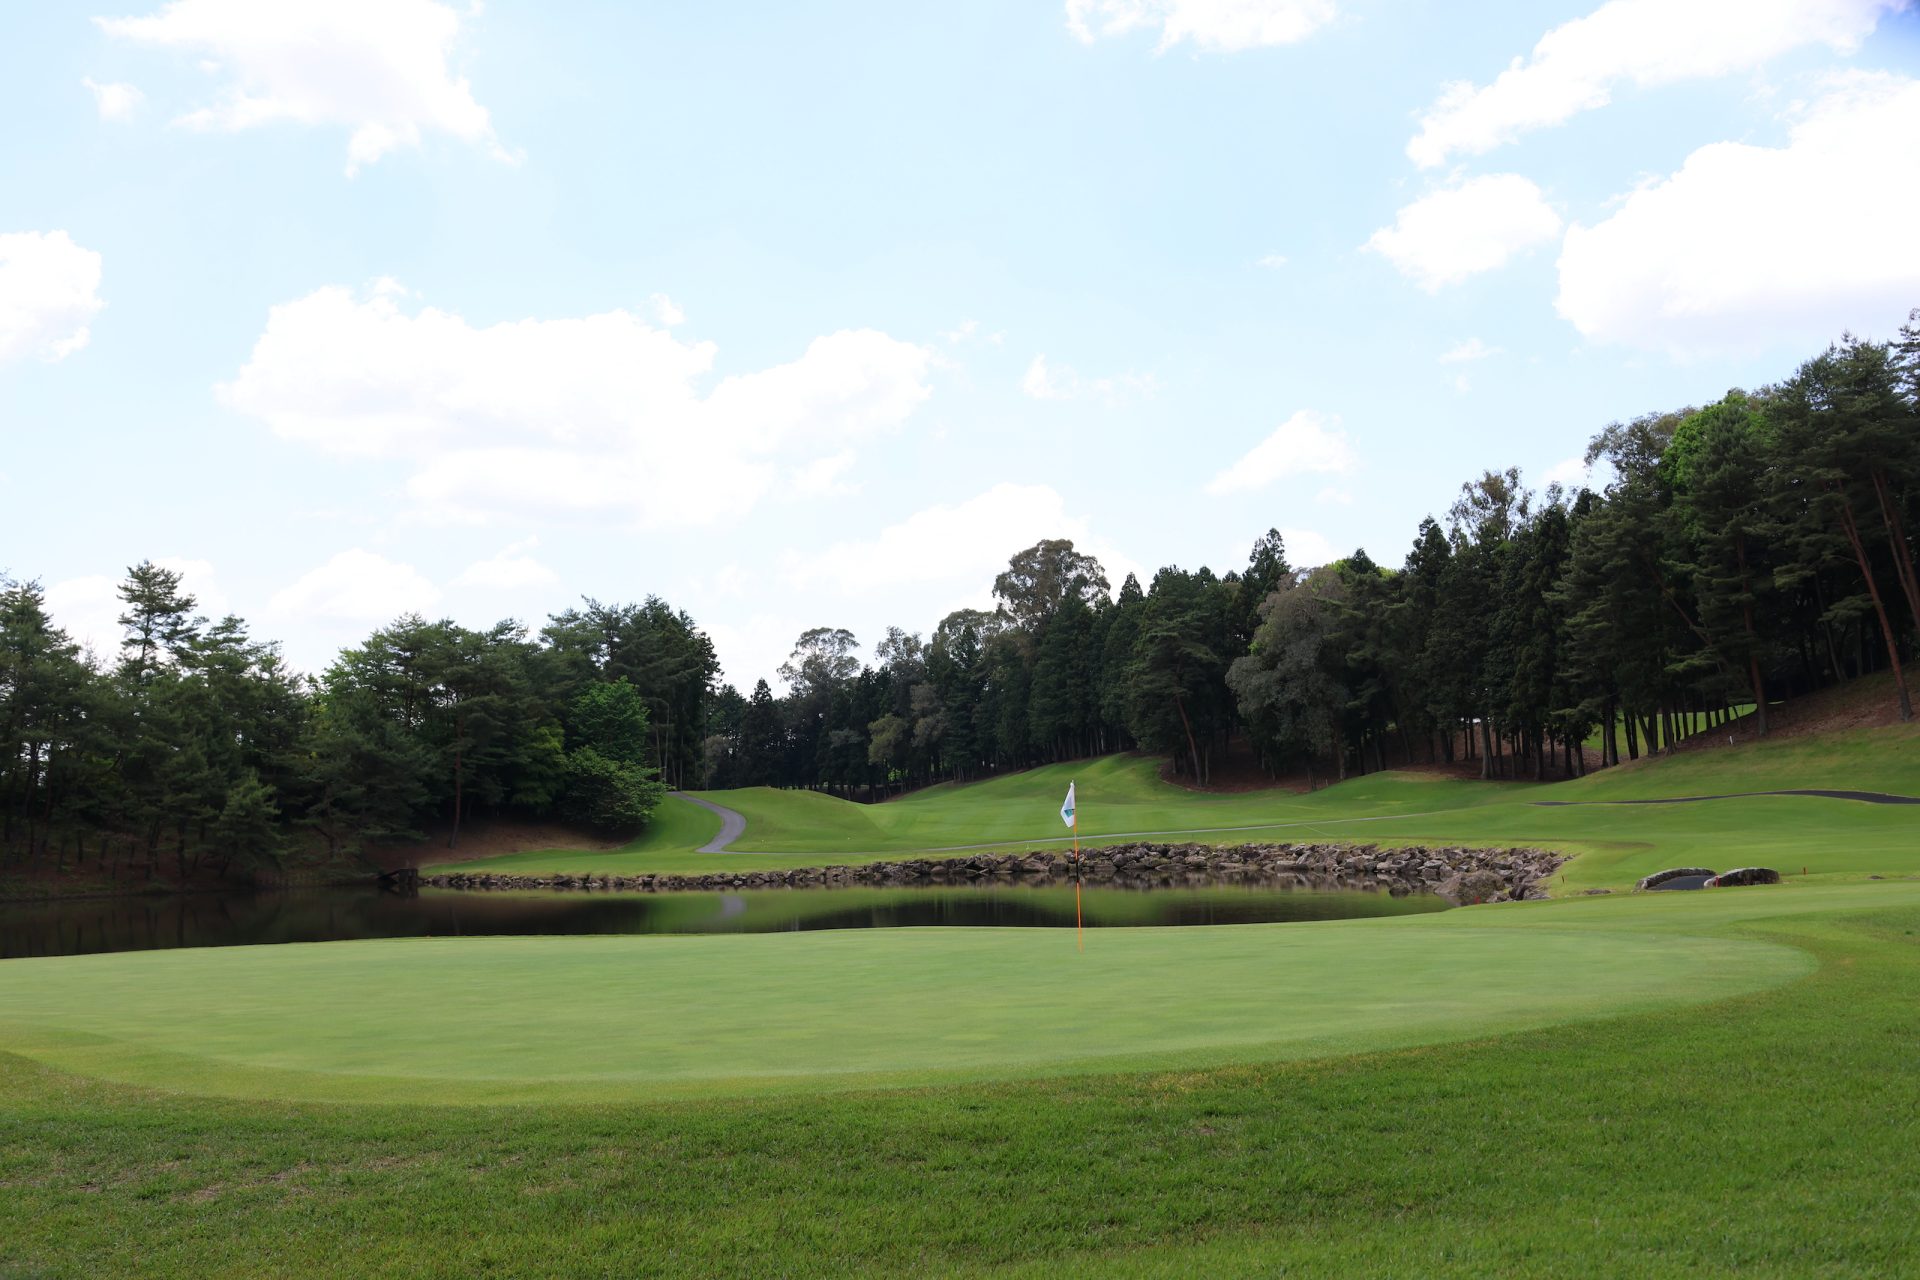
(1463, 875)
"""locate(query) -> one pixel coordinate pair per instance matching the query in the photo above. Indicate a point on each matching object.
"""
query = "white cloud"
(824, 477)
(509, 569)
(665, 311)
(356, 586)
(1459, 231)
(1471, 349)
(1576, 66)
(1272, 261)
(754, 649)
(1334, 497)
(1219, 26)
(1462, 383)
(1043, 382)
(1307, 443)
(964, 544)
(88, 609)
(1569, 474)
(48, 294)
(115, 101)
(600, 413)
(379, 67)
(1750, 246)
(1307, 549)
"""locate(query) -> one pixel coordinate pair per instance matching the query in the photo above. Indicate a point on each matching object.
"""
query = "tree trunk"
(459, 780)
(1193, 750)
(1879, 609)
(1897, 535)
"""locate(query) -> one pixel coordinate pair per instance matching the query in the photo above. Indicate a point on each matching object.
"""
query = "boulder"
(1659, 878)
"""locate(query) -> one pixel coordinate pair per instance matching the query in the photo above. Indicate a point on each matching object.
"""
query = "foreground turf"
(1768, 1134)
(636, 1018)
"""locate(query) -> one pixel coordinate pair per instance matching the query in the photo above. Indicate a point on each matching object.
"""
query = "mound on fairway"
(548, 1019)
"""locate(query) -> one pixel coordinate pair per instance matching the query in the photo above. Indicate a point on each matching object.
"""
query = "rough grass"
(676, 827)
(1772, 1133)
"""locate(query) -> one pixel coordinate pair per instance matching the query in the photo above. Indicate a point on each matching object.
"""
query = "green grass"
(1710, 1083)
(1119, 794)
(1769, 1132)
(497, 1019)
(676, 828)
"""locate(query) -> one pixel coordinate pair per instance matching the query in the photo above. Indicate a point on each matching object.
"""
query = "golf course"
(1628, 1083)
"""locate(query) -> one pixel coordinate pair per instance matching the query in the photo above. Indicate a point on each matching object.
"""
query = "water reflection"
(325, 915)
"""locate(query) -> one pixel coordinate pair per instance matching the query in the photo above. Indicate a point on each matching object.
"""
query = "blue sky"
(805, 315)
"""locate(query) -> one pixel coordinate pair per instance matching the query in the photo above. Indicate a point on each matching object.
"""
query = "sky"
(813, 315)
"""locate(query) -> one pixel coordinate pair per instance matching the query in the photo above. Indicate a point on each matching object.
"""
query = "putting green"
(596, 1018)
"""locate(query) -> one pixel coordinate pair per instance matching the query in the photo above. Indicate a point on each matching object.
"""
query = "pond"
(73, 927)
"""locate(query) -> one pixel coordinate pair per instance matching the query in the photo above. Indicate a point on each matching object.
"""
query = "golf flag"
(1066, 810)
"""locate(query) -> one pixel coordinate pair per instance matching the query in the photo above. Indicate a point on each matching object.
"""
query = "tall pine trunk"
(1879, 609)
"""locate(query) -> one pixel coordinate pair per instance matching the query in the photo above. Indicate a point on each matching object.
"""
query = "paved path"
(729, 834)
(732, 825)
(1864, 797)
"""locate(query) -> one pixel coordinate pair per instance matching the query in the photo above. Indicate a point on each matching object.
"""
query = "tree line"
(195, 751)
(1739, 552)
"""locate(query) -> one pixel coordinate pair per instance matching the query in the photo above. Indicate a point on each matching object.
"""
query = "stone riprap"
(1460, 874)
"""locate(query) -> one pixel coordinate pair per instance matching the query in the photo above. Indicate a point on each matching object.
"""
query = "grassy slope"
(1772, 1133)
(1125, 794)
(677, 827)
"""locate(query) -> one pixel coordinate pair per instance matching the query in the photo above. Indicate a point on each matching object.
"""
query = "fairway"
(1123, 797)
(552, 1019)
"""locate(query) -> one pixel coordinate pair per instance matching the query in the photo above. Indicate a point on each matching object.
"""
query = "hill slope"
(1123, 797)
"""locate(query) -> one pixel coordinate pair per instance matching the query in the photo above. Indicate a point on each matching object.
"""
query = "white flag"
(1066, 810)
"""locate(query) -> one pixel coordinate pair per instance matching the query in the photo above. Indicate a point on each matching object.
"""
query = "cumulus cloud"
(1218, 26)
(115, 101)
(1307, 549)
(48, 295)
(381, 68)
(824, 477)
(1577, 66)
(1465, 229)
(1470, 350)
(665, 310)
(1749, 246)
(601, 413)
(964, 544)
(511, 568)
(356, 586)
(1272, 261)
(1045, 382)
(1307, 443)
(1570, 473)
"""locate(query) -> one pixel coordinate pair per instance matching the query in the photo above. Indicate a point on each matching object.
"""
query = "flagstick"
(1079, 929)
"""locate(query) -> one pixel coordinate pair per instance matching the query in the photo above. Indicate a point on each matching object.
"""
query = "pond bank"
(1460, 874)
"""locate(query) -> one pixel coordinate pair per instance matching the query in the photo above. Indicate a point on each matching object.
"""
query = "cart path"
(730, 833)
(1864, 797)
(732, 825)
